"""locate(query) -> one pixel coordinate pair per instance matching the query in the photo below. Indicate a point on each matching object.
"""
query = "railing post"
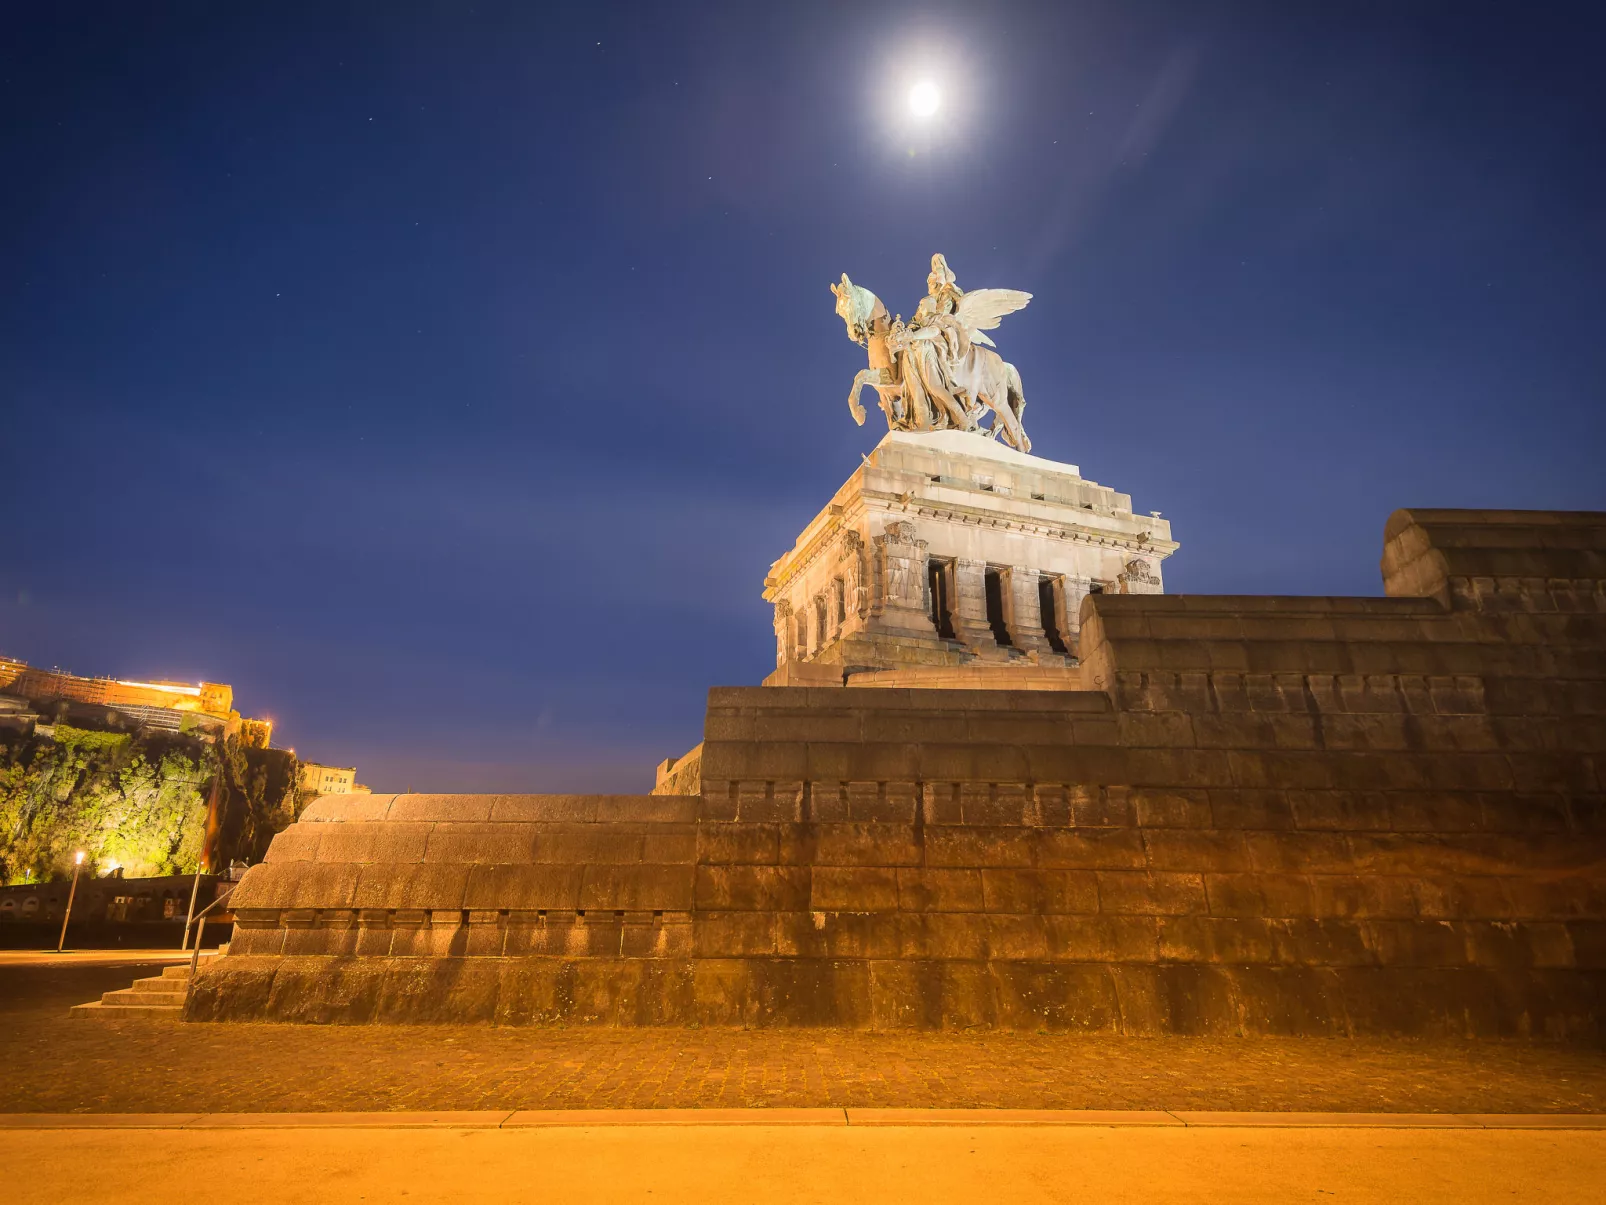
(200, 930)
(77, 865)
(189, 920)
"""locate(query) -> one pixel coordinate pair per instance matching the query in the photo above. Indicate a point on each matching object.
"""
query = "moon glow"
(924, 99)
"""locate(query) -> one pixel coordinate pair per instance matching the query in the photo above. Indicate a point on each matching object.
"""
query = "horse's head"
(857, 308)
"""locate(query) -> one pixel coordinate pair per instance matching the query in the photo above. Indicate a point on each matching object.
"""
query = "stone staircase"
(160, 997)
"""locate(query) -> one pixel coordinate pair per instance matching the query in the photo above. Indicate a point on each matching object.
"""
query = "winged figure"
(983, 309)
(930, 373)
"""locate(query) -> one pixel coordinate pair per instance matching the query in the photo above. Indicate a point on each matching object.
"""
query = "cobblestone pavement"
(58, 1064)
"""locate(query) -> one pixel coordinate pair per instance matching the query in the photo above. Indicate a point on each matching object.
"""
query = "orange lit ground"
(711, 1165)
(56, 1064)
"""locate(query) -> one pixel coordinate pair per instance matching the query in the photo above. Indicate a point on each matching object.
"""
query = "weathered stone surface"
(1264, 815)
(946, 561)
(1097, 997)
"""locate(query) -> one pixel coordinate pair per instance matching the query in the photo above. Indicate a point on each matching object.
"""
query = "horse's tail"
(1017, 402)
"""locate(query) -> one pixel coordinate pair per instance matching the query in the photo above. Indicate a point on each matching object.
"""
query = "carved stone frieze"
(1138, 577)
(784, 646)
(901, 531)
(900, 564)
(855, 595)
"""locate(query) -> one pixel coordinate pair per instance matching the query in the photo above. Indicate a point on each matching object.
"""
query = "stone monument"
(1231, 815)
(951, 557)
(1334, 816)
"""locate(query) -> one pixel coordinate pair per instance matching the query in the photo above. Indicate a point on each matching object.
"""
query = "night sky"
(446, 377)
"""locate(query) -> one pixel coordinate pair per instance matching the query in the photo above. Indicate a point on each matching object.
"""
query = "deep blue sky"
(445, 377)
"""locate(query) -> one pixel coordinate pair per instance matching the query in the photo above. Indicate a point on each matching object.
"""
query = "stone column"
(1023, 611)
(1076, 589)
(970, 609)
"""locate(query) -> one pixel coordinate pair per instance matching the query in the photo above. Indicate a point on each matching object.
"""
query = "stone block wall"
(1266, 815)
(1186, 863)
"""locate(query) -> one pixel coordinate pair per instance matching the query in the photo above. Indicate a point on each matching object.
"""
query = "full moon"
(923, 99)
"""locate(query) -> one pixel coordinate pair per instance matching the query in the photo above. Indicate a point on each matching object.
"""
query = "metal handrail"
(195, 954)
(189, 919)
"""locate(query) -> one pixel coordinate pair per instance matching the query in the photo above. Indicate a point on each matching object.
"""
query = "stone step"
(152, 1012)
(154, 996)
(161, 983)
(181, 970)
(168, 987)
(136, 997)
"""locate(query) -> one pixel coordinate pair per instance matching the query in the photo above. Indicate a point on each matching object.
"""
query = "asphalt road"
(833, 1165)
(53, 959)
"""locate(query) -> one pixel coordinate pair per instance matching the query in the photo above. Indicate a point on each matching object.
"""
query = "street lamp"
(77, 865)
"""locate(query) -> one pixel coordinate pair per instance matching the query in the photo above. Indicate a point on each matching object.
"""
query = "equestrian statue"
(939, 371)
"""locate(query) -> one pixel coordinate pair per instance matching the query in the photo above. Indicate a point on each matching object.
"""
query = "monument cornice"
(839, 517)
(826, 528)
(954, 512)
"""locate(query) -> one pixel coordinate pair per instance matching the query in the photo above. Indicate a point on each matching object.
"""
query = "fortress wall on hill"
(1266, 815)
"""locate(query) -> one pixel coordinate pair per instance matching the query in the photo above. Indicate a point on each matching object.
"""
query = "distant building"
(330, 780)
(205, 709)
(107, 898)
(16, 715)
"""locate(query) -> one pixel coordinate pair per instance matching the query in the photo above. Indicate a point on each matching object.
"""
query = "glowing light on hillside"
(169, 687)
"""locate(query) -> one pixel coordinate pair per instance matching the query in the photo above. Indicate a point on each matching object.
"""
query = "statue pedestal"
(947, 552)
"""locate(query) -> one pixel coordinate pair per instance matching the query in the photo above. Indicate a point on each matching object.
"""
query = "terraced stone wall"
(1274, 815)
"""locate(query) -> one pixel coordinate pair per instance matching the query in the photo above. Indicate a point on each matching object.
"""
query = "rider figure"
(942, 291)
(934, 316)
(946, 341)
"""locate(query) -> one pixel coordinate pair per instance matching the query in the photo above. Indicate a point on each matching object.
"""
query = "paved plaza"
(58, 1064)
(928, 1164)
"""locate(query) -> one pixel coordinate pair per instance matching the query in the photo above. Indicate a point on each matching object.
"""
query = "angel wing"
(983, 309)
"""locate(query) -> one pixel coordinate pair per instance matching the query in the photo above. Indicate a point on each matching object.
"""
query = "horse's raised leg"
(867, 376)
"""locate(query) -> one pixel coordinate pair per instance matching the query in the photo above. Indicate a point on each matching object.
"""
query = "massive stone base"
(1266, 815)
(1133, 999)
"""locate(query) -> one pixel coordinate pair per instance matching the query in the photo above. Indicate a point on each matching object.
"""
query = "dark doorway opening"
(1050, 594)
(940, 594)
(995, 607)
